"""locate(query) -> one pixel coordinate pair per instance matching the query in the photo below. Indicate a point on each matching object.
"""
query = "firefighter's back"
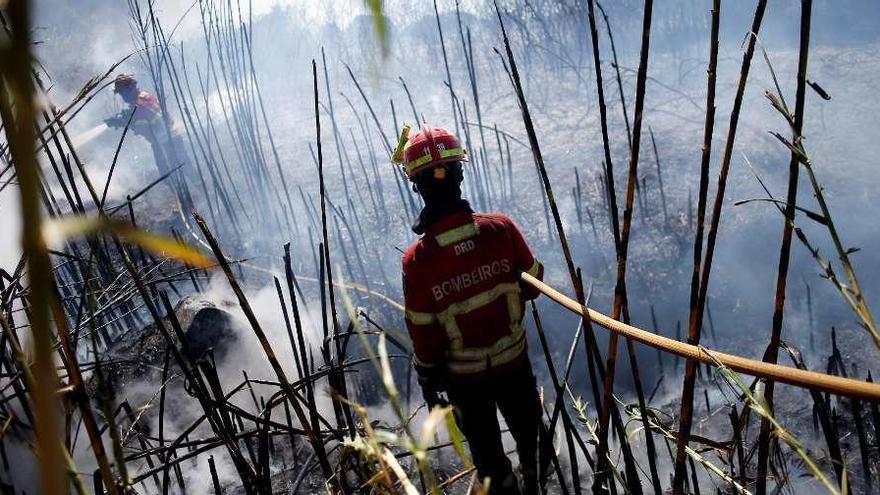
(462, 276)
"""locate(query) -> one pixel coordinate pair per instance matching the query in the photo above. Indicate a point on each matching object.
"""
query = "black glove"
(432, 396)
(431, 381)
(116, 121)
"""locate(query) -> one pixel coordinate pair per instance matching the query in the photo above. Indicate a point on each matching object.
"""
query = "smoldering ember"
(439, 246)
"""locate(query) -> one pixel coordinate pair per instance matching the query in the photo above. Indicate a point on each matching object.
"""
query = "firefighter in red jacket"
(464, 311)
(148, 122)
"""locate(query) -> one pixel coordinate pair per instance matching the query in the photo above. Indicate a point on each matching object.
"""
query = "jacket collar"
(453, 228)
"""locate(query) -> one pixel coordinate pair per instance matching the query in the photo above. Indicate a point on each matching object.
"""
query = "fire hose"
(837, 385)
(779, 373)
(847, 387)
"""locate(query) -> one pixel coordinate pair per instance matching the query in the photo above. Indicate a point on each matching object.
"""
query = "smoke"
(249, 354)
(10, 245)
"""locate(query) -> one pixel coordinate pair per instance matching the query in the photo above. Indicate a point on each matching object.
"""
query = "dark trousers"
(169, 154)
(515, 394)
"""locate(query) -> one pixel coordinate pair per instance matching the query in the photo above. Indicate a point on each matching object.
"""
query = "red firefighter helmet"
(123, 83)
(429, 147)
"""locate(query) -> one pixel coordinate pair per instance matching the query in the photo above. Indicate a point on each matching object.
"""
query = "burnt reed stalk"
(718, 202)
(280, 292)
(595, 368)
(856, 410)
(617, 75)
(479, 180)
(412, 104)
(660, 177)
(854, 407)
(620, 307)
(472, 75)
(772, 353)
(820, 409)
(446, 66)
(163, 456)
(74, 201)
(300, 346)
(145, 445)
(559, 406)
(331, 112)
(694, 327)
(211, 140)
(373, 201)
(479, 172)
(83, 402)
(559, 391)
(603, 121)
(337, 378)
(304, 351)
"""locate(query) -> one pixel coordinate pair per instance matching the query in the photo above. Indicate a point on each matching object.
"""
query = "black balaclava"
(129, 94)
(441, 193)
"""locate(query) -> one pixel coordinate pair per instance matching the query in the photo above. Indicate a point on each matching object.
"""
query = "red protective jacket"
(147, 115)
(464, 302)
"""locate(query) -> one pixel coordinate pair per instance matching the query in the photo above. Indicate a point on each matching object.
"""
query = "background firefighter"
(464, 309)
(149, 122)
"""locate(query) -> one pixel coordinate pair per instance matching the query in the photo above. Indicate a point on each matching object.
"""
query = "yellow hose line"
(793, 376)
